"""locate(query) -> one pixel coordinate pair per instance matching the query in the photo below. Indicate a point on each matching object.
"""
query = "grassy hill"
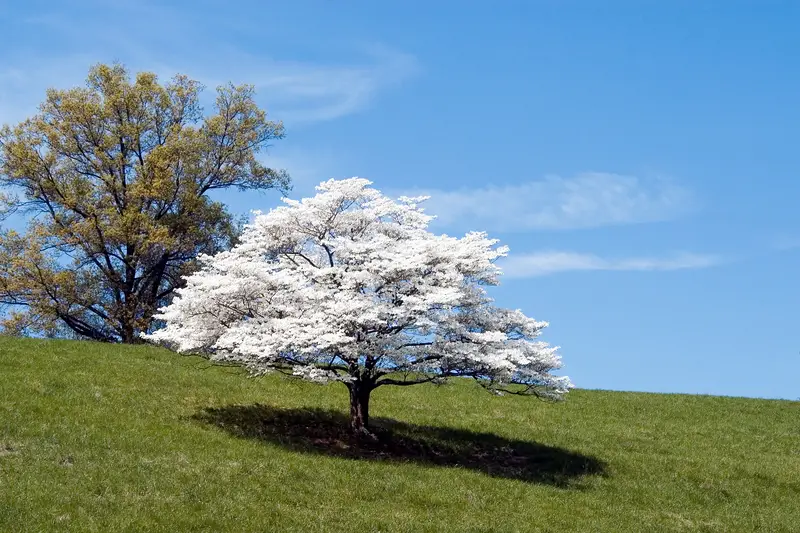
(118, 438)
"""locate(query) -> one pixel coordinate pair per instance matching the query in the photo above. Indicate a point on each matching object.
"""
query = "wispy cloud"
(544, 263)
(587, 200)
(23, 86)
(785, 242)
(310, 93)
(170, 43)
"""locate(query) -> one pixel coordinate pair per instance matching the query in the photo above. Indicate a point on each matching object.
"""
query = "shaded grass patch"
(326, 432)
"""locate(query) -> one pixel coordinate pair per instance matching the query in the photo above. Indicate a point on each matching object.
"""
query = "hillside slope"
(96, 437)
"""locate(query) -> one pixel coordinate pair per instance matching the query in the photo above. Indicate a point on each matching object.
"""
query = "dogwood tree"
(350, 286)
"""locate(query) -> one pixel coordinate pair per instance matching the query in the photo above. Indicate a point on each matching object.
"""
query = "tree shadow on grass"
(326, 432)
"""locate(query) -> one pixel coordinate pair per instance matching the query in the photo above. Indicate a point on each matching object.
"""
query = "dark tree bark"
(359, 407)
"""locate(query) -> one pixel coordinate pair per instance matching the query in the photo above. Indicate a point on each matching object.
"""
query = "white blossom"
(349, 285)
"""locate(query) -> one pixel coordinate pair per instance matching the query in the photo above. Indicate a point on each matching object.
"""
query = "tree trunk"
(359, 407)
(129, 334)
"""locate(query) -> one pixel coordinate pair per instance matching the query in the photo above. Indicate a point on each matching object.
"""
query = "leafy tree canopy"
(115, 177)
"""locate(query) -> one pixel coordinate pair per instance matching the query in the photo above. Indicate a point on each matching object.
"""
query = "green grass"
(117, 438)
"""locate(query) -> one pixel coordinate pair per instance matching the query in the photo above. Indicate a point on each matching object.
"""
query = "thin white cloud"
(784, 243)
(587, 200)
(552, 262)
(171, 43)
(22, 87)
(310, 93)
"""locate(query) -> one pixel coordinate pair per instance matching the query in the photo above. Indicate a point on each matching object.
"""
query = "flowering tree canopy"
(350, 286)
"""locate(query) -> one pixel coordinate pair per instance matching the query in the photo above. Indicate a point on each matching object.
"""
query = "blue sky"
(640, 158)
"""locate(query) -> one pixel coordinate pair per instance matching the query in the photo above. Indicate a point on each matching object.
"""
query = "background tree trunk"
(128, 333)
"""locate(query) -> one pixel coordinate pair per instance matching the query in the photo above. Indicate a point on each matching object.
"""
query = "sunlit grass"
(96, 437)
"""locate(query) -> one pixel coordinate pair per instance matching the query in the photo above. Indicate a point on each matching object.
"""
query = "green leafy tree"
(115, 179)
